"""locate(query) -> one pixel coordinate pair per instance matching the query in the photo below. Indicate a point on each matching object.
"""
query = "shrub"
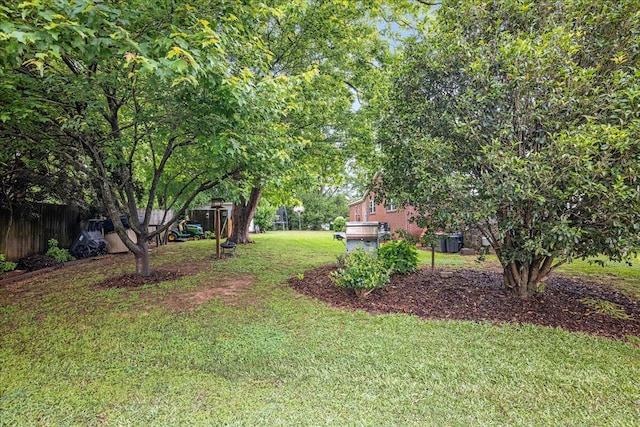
(339, 224)
(407, 237)
(6, 265)
(399, 257)
(361, 271)
(265, 215)
(60, 255)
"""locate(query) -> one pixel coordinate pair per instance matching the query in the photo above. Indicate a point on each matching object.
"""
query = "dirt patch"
(43, 280)
(226, 290)
(158, 274)
(566, 303)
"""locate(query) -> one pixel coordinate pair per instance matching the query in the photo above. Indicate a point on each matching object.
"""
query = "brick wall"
(398, 219)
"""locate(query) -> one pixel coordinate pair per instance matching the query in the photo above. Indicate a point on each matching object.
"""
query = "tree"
(343, 42)
(146, 99)
(320, 207)
(522, 119)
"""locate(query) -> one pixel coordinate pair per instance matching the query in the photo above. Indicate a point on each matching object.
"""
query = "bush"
(361, 271)
(407, 237)
(399, 257)
(60, 255)
(265, 215)
(6, 265)
(339, 224)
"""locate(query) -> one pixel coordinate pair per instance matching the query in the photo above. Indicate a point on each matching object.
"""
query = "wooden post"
(217, 204)
(217, 233)
(433, 258)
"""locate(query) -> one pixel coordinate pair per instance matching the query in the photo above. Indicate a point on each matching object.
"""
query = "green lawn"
(71, 354)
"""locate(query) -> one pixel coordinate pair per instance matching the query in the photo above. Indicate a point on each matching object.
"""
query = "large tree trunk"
(139, 247)
(517, 280)
(142, 258)
(243, 214)
(526, 278)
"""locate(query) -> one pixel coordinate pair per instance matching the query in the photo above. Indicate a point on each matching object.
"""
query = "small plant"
(407, 237)
(300, 276)
(362, 271)
(60, 255)
(210, 234)
(541, 287)
(399, 257)
(6, 265)
(607, 308)
(339, 224)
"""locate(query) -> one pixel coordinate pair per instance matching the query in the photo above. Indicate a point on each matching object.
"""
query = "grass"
(74, 355)
(617, 275)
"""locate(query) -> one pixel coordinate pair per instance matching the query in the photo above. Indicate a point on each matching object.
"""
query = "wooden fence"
(29, 231)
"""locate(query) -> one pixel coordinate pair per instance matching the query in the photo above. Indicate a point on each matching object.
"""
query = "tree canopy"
(153, 104)
(149, 100)
(344, 44)
(522, 118)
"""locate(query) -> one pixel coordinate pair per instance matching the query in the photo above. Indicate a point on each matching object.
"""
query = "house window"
(372, 206)
(390, 206)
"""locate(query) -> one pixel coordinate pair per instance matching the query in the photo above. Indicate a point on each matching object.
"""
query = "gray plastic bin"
(454, 243)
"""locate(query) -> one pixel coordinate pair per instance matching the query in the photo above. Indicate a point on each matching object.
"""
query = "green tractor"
(186, 230)
(194, 229)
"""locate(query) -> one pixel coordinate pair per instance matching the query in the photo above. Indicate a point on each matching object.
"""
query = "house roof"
(375, 178)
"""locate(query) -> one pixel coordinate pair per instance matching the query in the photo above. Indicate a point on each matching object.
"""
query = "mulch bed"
(133, 280)
(478, 296)
(36, 262)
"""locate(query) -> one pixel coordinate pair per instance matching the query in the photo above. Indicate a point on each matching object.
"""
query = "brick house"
(366, 209)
